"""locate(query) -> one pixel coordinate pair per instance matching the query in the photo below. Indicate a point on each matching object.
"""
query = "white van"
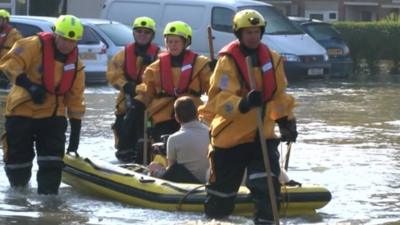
(304, 57)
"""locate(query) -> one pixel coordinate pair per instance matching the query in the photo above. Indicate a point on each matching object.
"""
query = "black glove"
(252, 99)
(288, 129)
(74, 135)
(37, 91)
(129, 88)
(212, 64)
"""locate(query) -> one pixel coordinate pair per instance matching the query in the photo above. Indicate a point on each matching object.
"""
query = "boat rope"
(179, 207)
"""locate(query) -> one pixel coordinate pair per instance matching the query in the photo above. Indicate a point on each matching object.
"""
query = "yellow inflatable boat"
(126, 183)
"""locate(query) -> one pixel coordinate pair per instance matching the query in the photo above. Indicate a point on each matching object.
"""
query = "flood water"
(349, 142)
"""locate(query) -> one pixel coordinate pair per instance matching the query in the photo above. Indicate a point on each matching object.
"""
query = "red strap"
(130, 60)
(69, 71)
(167, 82)
(266, 64)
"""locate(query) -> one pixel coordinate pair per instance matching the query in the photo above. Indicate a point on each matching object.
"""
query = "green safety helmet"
(4, 13)
(69, 26)
(144, 22)
(248, 18)
(179, 28)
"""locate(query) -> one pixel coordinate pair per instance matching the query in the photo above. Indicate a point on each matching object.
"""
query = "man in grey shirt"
(187, 148)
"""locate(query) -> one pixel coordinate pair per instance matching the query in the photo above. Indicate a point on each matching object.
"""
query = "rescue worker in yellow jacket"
(178, 72)
(124, 72)
(231, 113)
(48, 86)
(8, 36)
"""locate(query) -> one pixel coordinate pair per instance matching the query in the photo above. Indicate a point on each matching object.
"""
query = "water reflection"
(24, 206)
(349, 142)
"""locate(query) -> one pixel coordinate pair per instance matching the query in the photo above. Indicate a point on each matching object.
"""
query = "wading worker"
(8, 36)
(178, 72)
(231, 112)
(124, 72)
(48, 86)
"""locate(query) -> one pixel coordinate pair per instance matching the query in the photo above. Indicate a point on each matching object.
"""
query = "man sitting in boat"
(187, 148)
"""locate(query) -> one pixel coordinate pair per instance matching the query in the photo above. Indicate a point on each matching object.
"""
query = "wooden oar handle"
(210, 42)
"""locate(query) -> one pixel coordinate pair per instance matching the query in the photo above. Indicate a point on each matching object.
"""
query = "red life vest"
(130, 61)
(167, 82)
(48, 64)
(3, 35)
(266, 64)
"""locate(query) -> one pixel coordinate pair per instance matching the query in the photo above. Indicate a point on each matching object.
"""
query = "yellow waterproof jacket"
(160, 107)
(13, 36)
(116, 77)
(229, 127)
(26, 57)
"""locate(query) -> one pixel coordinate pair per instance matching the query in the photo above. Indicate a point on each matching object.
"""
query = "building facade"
(333, 10)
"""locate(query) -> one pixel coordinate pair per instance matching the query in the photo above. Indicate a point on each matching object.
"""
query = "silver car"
(92, 49)
(114, 34)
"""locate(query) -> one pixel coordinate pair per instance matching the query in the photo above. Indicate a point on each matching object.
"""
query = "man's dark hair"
(185, 109)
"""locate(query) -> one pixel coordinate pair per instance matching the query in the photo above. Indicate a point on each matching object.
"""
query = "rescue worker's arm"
(204, 74)
(20, 58)
(116, 72)
(282, 104)
(18, 61)
(146, 91)
(14, 36)
(223, 98)
(74, 99)
(75, 103)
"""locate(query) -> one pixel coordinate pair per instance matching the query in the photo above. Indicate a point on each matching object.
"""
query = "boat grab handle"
(145, 181)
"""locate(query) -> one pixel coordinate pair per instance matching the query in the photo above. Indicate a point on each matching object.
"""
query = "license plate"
(87, 56)
(315, 71)
(335, 52)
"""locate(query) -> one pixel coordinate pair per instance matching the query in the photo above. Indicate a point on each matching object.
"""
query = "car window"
(277, 23)
(221, 19)
(89, 37)
(322, 31)
(119, 34)
(26, 29)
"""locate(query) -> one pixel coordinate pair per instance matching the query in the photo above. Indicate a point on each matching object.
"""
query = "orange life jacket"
(266, 64)
(130, 61)
(70, 66)
(3, 35)
(167, 82)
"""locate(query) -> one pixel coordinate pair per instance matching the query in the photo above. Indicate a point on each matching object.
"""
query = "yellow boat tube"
(126, 185)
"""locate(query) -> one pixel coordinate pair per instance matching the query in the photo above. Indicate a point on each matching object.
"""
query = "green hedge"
(372, 41)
